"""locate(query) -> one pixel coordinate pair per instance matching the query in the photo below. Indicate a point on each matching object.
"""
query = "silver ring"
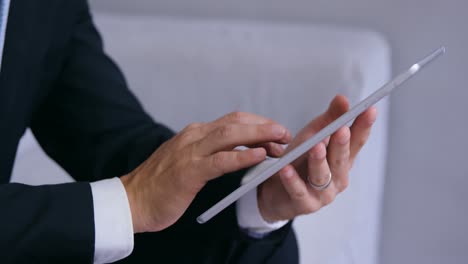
(322, 186)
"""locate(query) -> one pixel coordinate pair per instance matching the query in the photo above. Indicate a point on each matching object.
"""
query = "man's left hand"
(288, 193)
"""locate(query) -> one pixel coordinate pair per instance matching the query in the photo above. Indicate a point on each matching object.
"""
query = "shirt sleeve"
(112, 220)
(249, 217)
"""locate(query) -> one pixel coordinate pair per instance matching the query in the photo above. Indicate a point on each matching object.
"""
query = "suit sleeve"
(94, 127)
(90, 123)
(46, 224)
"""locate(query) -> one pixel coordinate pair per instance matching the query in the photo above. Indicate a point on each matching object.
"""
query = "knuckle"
(309, 208)
(225, 131)
(218, 162)
(318, 152)
(184, 138)
(191, 151)
(313, 156)
(299, 195)
(236, 116)
(239, 158)
(338, 162)
(342, 160)
(192, 126)
(361, 142)
(327, 198)
(343, 183)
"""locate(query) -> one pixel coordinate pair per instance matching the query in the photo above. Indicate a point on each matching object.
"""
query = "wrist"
(262, 207)
(128, 183)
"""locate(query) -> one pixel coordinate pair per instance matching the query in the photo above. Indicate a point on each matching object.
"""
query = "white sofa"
(192, 70)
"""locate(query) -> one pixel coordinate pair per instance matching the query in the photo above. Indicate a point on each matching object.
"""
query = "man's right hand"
(162, 188)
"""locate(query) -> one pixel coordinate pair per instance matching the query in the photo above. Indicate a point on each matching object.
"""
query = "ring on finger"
(320, 187)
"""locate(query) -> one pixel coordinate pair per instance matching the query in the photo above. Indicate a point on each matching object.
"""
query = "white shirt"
(112, 215)
(4, 9)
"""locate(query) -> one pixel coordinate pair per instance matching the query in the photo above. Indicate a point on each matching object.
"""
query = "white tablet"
(270, 170)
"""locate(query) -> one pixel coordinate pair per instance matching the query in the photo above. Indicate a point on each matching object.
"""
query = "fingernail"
(278, 130)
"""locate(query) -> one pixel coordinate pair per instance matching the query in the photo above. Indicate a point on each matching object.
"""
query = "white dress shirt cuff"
(112, 221)
(249, 217)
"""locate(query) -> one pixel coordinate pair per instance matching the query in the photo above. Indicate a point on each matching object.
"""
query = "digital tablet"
(268, 171)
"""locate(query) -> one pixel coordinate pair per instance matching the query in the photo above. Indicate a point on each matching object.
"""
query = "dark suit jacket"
(57, 80)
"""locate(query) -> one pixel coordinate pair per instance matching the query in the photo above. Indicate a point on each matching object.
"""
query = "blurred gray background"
(424, 212)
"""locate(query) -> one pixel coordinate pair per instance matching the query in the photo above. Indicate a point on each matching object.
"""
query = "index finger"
(248, 118)
(230, 136)
(243, 118)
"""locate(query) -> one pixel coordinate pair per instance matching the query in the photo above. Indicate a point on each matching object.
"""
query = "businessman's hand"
(288, 194)
(161, 189)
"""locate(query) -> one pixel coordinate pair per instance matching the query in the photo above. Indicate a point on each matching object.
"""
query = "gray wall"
(424, 215)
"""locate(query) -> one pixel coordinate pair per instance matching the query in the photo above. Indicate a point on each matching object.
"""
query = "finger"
(360, 130)
(338, 106)
(328, 195)
(296, 188)
(317, 165)
(338, 157)
(229, 136)
(242, 118)
(247, 118)
(273, 149)
(319, 174)
(196, 131)
(229, 161)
